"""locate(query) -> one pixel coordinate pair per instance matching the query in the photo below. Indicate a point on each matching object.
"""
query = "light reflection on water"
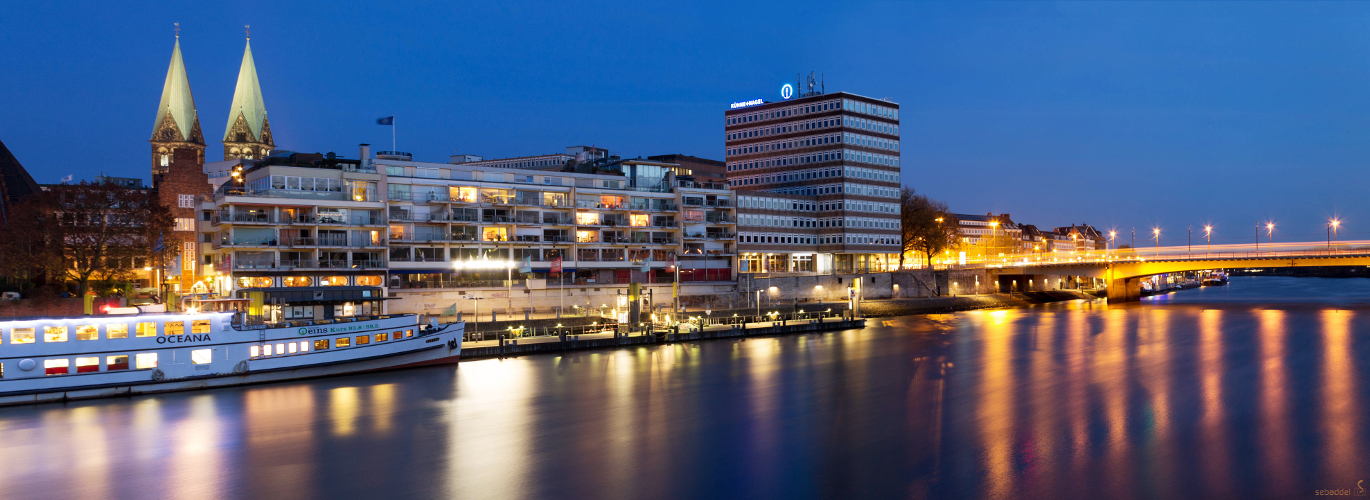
(1229, 392)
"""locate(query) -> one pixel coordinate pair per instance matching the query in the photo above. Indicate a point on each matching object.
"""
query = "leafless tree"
(83, 232)
(926, 226)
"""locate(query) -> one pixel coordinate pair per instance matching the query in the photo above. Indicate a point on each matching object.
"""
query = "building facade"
(818, 175)
(326, 237)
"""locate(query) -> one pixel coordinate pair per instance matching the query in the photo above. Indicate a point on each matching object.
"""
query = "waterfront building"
(818, 176)
(324, 237)
(702, 169)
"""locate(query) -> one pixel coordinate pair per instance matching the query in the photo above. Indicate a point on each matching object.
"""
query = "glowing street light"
(1270, 235)
(1208, 240)
(1156, 234)
(1332, 225)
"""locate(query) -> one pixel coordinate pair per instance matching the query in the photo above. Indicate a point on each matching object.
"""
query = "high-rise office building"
(817, 176)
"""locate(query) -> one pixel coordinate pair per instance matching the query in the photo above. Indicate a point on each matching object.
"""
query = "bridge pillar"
(1124, 290)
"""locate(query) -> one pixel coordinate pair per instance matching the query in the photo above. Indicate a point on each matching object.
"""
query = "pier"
(685, 333)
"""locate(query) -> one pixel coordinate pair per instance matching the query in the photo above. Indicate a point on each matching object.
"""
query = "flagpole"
(392, 134)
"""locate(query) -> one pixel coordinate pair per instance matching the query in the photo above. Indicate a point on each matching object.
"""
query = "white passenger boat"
(62, 359)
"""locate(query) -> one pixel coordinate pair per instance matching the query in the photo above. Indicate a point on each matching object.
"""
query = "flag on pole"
(389, 120)
(158, 246)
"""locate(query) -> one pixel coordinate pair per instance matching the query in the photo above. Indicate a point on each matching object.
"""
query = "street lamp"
(1270, 235)
(1208, 240)
(1332, 225)
(1156, 234)
(1113, 238)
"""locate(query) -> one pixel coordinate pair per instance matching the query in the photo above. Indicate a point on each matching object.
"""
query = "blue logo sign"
(786, 91)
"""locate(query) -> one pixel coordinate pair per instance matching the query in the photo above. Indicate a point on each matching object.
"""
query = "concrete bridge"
(1123, 271)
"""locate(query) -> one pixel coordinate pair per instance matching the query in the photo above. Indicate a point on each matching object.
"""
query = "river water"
(1252, 390)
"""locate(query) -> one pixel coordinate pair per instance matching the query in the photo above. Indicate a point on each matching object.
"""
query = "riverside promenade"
(687, 332)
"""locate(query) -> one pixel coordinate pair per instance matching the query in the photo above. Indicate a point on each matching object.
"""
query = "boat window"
(86, 332)
(298, 281)
(280, 348)
(381, 337)
(119, 362)
(175, 327)
(363, 339)
(201, 356)
(116, 331)
(368, 281)
(54, 334)
(290, 346)
(266, 350)
(320, 344)
(256, 351)
(145, 360)
(408, 333)
(56, 366)
(87, 365)
(147, 330)
(21, 336)
(199, 326)
(304, 346)
(344, 342)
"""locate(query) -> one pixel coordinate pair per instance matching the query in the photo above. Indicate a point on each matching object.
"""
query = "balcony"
(557, 239)
(558, 221)
(528, 238)
(247, 242)
(248, 218)
(368, 195)
(497, 219)
(664, 223)
(702, 185)
(652, 206)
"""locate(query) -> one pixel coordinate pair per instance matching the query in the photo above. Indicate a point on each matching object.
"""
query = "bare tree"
(926, 226)
(83, 232)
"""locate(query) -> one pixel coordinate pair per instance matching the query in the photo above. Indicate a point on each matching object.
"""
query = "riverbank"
(944, 305)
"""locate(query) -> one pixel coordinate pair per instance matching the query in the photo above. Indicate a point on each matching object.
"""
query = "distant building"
(702, 169)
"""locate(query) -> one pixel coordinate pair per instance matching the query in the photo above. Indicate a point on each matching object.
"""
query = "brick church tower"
(177, 126)
(248, 134)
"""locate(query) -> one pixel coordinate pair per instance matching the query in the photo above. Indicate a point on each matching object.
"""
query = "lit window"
(199, 326)
(290, 346)
(320, 344)
(185, 224)
(255, 351)
(86, 332)
(56, 367)
(266, 350)
(87, 365)
(145, 360)
(382, 337)
(280, 348)
(54, 334)
(363, 339)
(408, 333)
(21, 336)
(146, 330)
(198, 356)
(116, 331)
(119, 362)
(304, 346)
(175, 327)
(344, 342)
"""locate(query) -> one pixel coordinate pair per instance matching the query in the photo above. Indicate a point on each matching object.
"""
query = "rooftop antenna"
(248, 29)
(178, 30)
(823, 86)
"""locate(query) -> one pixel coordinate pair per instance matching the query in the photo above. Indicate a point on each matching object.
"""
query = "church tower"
(177, 126)
(249, 133)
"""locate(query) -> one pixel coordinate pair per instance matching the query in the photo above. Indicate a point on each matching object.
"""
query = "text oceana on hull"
(58, 359)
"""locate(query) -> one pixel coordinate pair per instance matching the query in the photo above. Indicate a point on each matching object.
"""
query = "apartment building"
(326, 237)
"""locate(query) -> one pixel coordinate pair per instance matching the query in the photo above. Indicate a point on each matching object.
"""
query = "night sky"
(1116, 114)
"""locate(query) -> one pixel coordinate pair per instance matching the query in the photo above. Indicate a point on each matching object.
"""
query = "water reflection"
(1186, 399)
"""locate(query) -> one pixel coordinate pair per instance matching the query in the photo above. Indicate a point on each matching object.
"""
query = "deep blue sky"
(1117, 114)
